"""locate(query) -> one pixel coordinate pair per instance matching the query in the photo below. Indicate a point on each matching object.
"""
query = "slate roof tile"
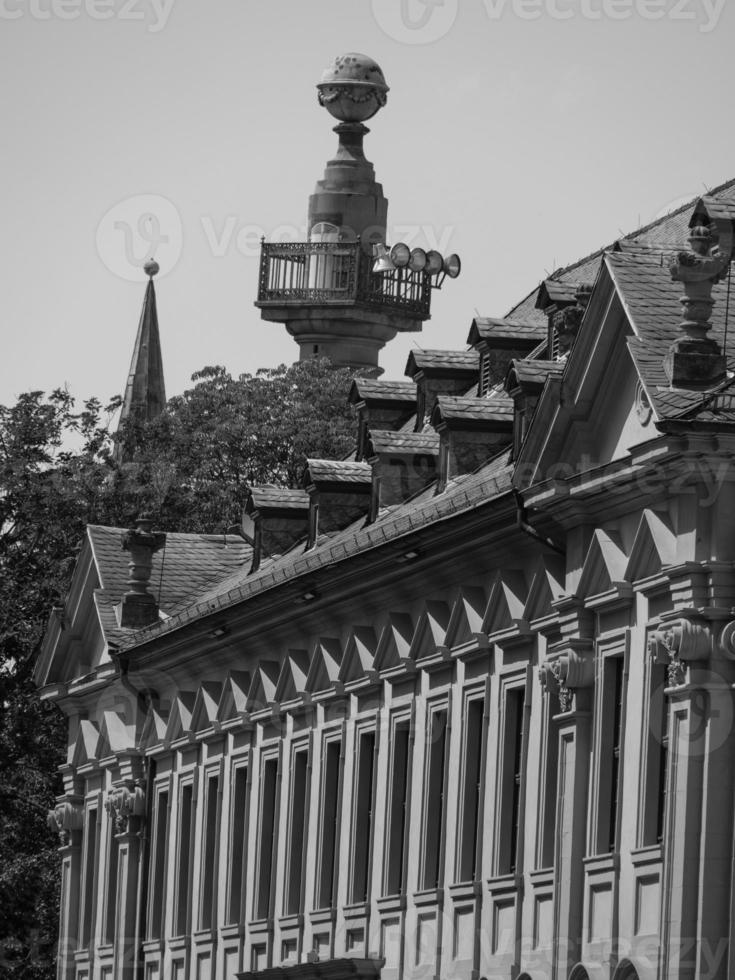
(385, 441)
(455, 361)
(338, 471)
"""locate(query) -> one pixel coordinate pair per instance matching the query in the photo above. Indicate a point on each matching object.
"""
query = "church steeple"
(145, 392)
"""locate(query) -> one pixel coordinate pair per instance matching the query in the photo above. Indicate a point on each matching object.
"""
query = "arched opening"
(626, 971)
(579, 973)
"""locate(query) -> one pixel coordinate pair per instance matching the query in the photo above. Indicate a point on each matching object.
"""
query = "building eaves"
(485, 486)
(337, 471)
(278, 498)
(452, 408)
(505, 333)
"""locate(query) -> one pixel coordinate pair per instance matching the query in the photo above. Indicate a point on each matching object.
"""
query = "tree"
(197, 459)
(57, 473)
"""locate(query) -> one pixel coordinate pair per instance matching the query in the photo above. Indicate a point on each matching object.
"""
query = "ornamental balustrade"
(338, 274)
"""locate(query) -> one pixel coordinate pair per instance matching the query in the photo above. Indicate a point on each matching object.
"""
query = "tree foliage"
(58, 472)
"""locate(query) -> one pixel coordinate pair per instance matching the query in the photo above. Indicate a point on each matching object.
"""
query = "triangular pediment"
(359, 655)
(154, 729)
(431, 630)
(262, 693)
(546, 587)
(326, 659)
(85, 747)
(179, 719)
(465, 623)
(654, 547)
(395, 642)
(115, 735)
(506, 605)
(294, 673)
(604, 565)
(234, 699)
(204, 713)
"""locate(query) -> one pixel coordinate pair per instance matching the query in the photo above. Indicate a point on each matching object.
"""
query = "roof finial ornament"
(151, 268)
(353, 89)
(695, 360)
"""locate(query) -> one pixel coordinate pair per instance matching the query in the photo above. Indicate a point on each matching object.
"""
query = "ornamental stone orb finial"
(353, 89)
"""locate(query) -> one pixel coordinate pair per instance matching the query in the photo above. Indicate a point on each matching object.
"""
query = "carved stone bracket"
(125, 805)
(67, 816)
(727, 641)
(677, 644)
(565, 674)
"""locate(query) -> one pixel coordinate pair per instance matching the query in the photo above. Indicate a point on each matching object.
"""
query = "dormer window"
(485, 374)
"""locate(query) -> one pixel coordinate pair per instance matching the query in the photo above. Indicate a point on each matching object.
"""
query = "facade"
(462, 706)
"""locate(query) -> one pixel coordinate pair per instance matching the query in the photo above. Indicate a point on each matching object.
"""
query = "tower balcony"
(338, 274)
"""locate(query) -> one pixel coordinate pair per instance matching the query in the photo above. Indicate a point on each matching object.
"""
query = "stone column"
(125, 805)
(569, 674)
(67, 819)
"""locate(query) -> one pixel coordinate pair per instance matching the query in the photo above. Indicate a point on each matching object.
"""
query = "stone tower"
(326, 291)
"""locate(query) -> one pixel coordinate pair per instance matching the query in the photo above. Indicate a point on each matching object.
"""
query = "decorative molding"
(66, 816)
(727, 641)
(125, 805)
(566, 673)
(678, 643)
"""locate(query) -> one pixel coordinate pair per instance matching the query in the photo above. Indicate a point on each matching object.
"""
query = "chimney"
(403, 463)
(696, 360)
(471, 431)
(339, 493)
(498, 342)
(274, 520)
(139, 607)
(380, 404)
(440, 372)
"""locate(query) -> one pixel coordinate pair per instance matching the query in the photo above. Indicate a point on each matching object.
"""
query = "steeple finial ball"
(353, 89)
(151, 268)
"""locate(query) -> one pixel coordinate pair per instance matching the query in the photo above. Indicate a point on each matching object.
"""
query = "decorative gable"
(262, 693)
(358, 661)
(547, 586)
(179, 719)
(204, 713)
(431, 630)
(325, 663)
(604, 565)
(234, 699)
(395, 642)
(465, 623)
(506, 605)
(653, 548)
(293, 677)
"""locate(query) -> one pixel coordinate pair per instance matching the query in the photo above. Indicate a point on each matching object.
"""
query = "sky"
(521, 134)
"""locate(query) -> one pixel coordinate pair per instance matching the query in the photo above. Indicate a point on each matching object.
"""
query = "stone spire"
(145, 393)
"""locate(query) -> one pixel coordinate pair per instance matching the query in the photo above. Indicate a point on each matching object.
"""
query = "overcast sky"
(521, 134)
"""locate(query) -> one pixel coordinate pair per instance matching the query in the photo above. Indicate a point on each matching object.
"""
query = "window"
(432, 865)
(470, 791)
(111, 897)
(362, 826)
(654, 775)
(208, 908)
(326, 879)
(90, 874)
(549, 784)
(297, 832)
(511, 787)
(238, 849)
(183, 871)
(267, 836)
(156, 896)
(485, 374)
(394, 875)
(610, 751)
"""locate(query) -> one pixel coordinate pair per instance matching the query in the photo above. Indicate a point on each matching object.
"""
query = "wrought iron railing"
(338, 274)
